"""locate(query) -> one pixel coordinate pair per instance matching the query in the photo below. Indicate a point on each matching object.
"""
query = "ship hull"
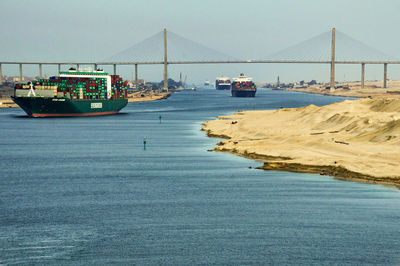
(62, 107)
(243, 93)
(223, 87)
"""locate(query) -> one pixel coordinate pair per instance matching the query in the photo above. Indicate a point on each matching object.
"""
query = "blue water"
(84, 191)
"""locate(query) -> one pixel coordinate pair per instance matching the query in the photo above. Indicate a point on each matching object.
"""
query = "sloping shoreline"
(352, 140)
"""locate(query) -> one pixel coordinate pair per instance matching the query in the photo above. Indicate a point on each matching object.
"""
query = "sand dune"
(373, 89)
(357, 140)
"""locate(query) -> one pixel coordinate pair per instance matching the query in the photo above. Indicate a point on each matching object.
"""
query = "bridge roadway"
(114, 64)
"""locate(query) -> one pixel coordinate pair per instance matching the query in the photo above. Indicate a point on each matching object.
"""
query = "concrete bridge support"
(77, 67)
(136, 76)
(40, 71)
(95, 67)
(115, 69)
(332, 83)
(362, 75)
(165, 61)
(1, 72)
(385, 75)
(21, 78)
(59, 68)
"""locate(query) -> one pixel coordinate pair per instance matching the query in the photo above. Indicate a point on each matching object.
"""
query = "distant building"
(132, 85)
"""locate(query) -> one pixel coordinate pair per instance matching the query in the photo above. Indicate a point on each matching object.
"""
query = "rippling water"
(85, 191)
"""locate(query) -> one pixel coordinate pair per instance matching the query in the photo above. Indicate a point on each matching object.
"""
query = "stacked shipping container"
(78, 88)
(119, 87)
(244, 85)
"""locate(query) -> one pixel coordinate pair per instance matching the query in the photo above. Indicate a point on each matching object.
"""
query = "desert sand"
(355, 140)
(372, 89)
(148, 97)
(7, 103)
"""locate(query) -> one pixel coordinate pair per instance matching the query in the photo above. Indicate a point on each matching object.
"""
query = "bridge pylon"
(136, 77)
(385, 75)
(165, 61)
(332, 83)
(362, 75)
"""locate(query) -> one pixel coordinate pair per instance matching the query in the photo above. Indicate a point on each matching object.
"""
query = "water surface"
(85, 191)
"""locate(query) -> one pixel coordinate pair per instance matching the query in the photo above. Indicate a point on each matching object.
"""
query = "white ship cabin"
(85, 70)
(223, 80)
(242, 78)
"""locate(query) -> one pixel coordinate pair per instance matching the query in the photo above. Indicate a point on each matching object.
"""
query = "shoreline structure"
(357, 140)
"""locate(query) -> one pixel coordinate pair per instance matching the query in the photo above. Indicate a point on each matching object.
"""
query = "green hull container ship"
(73, 93)
(53, 107)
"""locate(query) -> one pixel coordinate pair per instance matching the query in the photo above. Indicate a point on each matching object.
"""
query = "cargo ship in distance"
(82, 92)
(222, 83)
(243, 86)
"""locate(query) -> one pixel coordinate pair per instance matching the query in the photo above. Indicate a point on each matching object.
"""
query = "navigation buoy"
(144, 143)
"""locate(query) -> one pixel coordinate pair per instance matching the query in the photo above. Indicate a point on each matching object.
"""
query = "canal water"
(84, 191)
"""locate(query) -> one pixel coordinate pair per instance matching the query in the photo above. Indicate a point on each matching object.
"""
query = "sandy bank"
(354, 140)
(7, 103)
(372, 89)
(149, 97)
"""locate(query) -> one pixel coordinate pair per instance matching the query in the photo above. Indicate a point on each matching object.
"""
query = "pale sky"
(92, 30)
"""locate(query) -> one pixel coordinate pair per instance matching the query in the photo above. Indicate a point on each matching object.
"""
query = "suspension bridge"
(327, 48)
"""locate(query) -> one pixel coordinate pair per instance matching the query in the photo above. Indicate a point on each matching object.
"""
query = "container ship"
(82, 92)
(243, 86)
(223, 83)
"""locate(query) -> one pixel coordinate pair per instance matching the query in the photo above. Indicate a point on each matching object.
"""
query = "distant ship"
(206, 83)
(73, 93)
(223, 83)
(243, 86)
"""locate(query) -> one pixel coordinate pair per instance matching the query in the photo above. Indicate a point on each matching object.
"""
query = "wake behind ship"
(73, 93)
(243, 86)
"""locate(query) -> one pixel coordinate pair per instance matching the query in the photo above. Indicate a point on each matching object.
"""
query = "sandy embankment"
(353, 140)
(7, 103)
(149, 97)
(353, 89)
